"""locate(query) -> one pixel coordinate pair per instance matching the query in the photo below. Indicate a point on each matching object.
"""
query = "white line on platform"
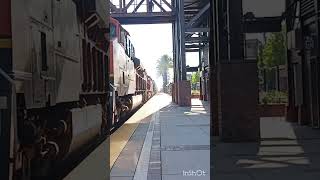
(143, 163)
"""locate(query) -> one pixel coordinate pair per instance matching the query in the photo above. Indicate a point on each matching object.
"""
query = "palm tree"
(163, 65)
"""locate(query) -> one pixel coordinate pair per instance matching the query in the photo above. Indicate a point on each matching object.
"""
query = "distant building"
(189, 76)
(252, 47)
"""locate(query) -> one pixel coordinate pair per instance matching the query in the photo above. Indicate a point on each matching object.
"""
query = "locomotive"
(66, 91)
(131, 84)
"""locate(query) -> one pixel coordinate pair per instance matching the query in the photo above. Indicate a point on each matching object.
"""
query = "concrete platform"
(175, 143)
(286, 151)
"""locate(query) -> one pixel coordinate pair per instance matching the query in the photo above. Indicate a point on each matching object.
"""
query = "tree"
(163, 65)
(273, 53)
(195, 78)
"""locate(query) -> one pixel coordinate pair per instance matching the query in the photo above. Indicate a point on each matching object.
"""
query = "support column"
(213, 75)
(201, 78)
(176, 58)
(236, 79)
(182, 86)
(292, 112)
(5, 110)
(182, 41)
(173, 90)
(6, 91)
(238, 102)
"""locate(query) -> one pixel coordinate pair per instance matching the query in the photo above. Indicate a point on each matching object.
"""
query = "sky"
(264, 8)
(151, 41)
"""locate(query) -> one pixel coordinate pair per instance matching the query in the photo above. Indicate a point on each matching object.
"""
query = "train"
(131, 85)
(68, 76)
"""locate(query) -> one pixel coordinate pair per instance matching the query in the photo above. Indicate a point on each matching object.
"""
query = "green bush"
(273, 97)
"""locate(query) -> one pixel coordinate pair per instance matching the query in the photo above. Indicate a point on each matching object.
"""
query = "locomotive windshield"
(113, 32)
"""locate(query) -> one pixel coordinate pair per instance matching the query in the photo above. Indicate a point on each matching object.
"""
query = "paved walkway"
(165, 142)
(170, 144)
(286, 151)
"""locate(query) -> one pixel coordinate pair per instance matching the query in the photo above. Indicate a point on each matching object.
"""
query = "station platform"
(286, 151)
(163, 141)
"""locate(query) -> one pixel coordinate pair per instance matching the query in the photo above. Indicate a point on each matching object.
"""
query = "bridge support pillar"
(181, 93)
(184, 93)
(238, 102)
(234, 85)
(174, 93)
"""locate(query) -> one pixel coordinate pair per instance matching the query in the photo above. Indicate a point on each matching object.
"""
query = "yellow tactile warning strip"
(119, 139)
(92, 167)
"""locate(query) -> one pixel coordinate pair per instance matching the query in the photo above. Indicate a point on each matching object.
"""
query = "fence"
(273, 79)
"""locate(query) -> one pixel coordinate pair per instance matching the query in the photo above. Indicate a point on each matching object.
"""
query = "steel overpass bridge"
(190, 29)
(227, 70)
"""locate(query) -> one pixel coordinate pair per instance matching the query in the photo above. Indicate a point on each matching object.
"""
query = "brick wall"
(272, 110)
(238, 102)
(184, 93)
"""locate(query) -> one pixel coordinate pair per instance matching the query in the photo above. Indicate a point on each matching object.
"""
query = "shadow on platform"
(285, 151)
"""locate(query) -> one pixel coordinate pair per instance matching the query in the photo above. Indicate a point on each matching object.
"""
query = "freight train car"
(54, 77)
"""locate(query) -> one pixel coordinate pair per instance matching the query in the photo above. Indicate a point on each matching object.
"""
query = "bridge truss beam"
(142, 11)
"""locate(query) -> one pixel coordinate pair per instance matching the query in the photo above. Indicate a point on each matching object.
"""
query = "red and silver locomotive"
(54, 83)
(59, 87)
(131, 86)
